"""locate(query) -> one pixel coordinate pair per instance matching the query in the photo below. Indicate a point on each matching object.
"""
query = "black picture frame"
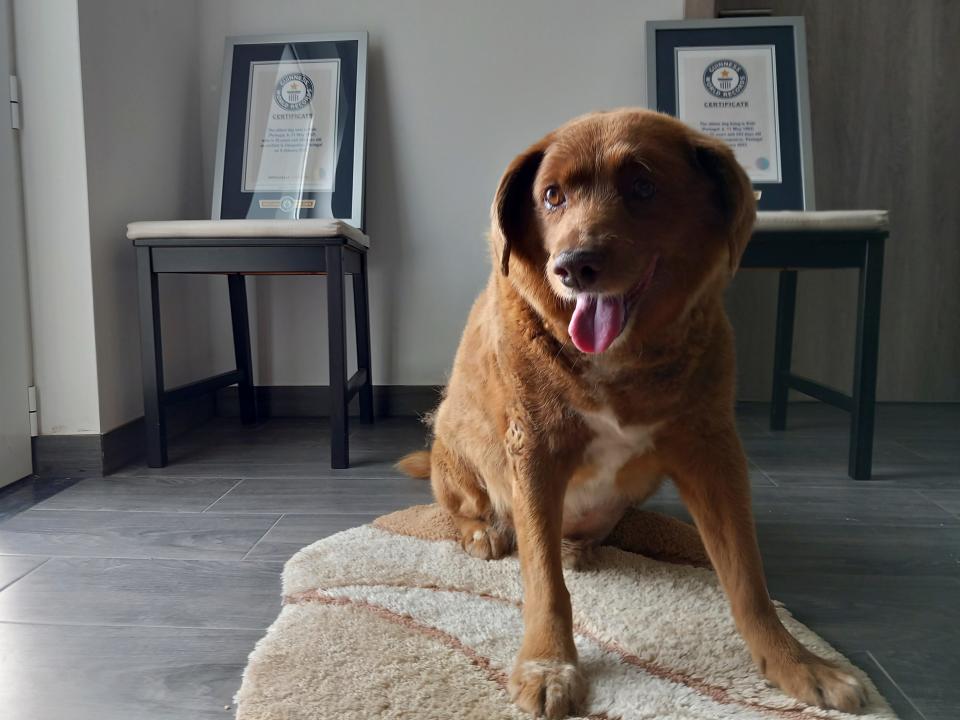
(795, 190)
(344, 199)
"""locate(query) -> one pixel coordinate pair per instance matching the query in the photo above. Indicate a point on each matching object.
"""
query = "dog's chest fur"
(593, 499)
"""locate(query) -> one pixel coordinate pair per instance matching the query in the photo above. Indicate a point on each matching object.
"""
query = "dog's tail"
(416, 464)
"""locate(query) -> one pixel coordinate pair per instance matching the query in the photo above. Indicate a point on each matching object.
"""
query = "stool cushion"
(244, 228)
(822, 221)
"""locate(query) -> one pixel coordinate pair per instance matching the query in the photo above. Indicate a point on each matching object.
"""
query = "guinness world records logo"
(725, 79)
(294, 91)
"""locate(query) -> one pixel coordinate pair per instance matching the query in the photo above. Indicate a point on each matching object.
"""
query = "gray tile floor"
(141, 594)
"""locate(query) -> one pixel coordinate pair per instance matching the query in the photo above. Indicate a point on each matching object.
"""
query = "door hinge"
(14, 102)
(32, 410)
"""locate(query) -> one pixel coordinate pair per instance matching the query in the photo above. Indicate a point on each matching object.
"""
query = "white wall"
(56, 213)
(142, 111)
(456, 89)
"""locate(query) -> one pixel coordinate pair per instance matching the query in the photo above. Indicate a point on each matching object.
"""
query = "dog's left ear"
(733, 192)
(513, 204)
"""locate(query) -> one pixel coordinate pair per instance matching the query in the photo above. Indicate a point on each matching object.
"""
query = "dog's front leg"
(545, 680)
(710, 470)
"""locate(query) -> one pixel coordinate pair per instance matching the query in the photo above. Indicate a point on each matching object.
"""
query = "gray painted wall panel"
(885, 114)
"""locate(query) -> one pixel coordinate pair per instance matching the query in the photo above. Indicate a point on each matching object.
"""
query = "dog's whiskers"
(575, 361)
(562, 346)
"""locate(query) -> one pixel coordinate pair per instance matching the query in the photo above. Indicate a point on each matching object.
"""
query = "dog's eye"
(643, 189)
(553, 197)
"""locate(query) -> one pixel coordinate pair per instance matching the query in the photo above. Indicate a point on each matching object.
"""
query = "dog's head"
(618, 216)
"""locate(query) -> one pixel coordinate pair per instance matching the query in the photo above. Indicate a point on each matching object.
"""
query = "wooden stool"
(237, 248)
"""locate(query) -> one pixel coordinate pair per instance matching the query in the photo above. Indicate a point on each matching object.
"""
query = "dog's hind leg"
(459, 490)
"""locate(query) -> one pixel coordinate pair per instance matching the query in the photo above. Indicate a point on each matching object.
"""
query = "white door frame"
(16, 369)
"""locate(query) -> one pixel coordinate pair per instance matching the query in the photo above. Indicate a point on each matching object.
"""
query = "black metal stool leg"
(241, 348)
(151, 360)
(783, 348)
(865, 362)
(361, 305)
(336, 321)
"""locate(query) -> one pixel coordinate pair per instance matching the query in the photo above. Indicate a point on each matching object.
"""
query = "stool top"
(822, 221)
(225, 229)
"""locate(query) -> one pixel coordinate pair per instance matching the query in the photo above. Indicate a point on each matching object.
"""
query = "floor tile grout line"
(231, 489)
(34, 511)
(320, 472)
(349, 513)
(254, 546)
(211, 513)
(131, 625)
(910, 450)
(931, 500)
(145, 558)
(763, 472)
(859, 485)
(219, 513)
(317, 476)
(128, 510)
(895, 684)
(28, 572)
(866, 486)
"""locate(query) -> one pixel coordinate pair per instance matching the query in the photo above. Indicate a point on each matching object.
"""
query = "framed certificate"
(291, 142)
(743, 81)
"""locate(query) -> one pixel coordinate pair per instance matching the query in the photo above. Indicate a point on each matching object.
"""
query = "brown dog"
(597, 361)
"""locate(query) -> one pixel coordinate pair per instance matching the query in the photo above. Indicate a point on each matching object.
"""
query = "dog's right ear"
(513, 204)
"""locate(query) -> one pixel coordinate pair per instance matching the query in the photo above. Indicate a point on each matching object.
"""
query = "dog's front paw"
(577, 554)
(487, 542)
(816, 681)
(547, 688)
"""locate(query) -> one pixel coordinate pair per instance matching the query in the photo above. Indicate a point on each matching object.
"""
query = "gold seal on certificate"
(731, 94)
(290, 143)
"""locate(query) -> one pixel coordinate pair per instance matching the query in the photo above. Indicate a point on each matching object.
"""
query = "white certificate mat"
(290, 143)
(730, 93)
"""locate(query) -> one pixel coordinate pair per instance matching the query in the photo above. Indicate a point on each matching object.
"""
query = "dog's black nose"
(578, 269)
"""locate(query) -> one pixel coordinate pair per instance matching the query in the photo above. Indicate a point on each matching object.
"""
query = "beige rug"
(393, 620)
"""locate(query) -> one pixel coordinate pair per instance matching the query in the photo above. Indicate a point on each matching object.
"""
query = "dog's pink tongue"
(596, 322)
